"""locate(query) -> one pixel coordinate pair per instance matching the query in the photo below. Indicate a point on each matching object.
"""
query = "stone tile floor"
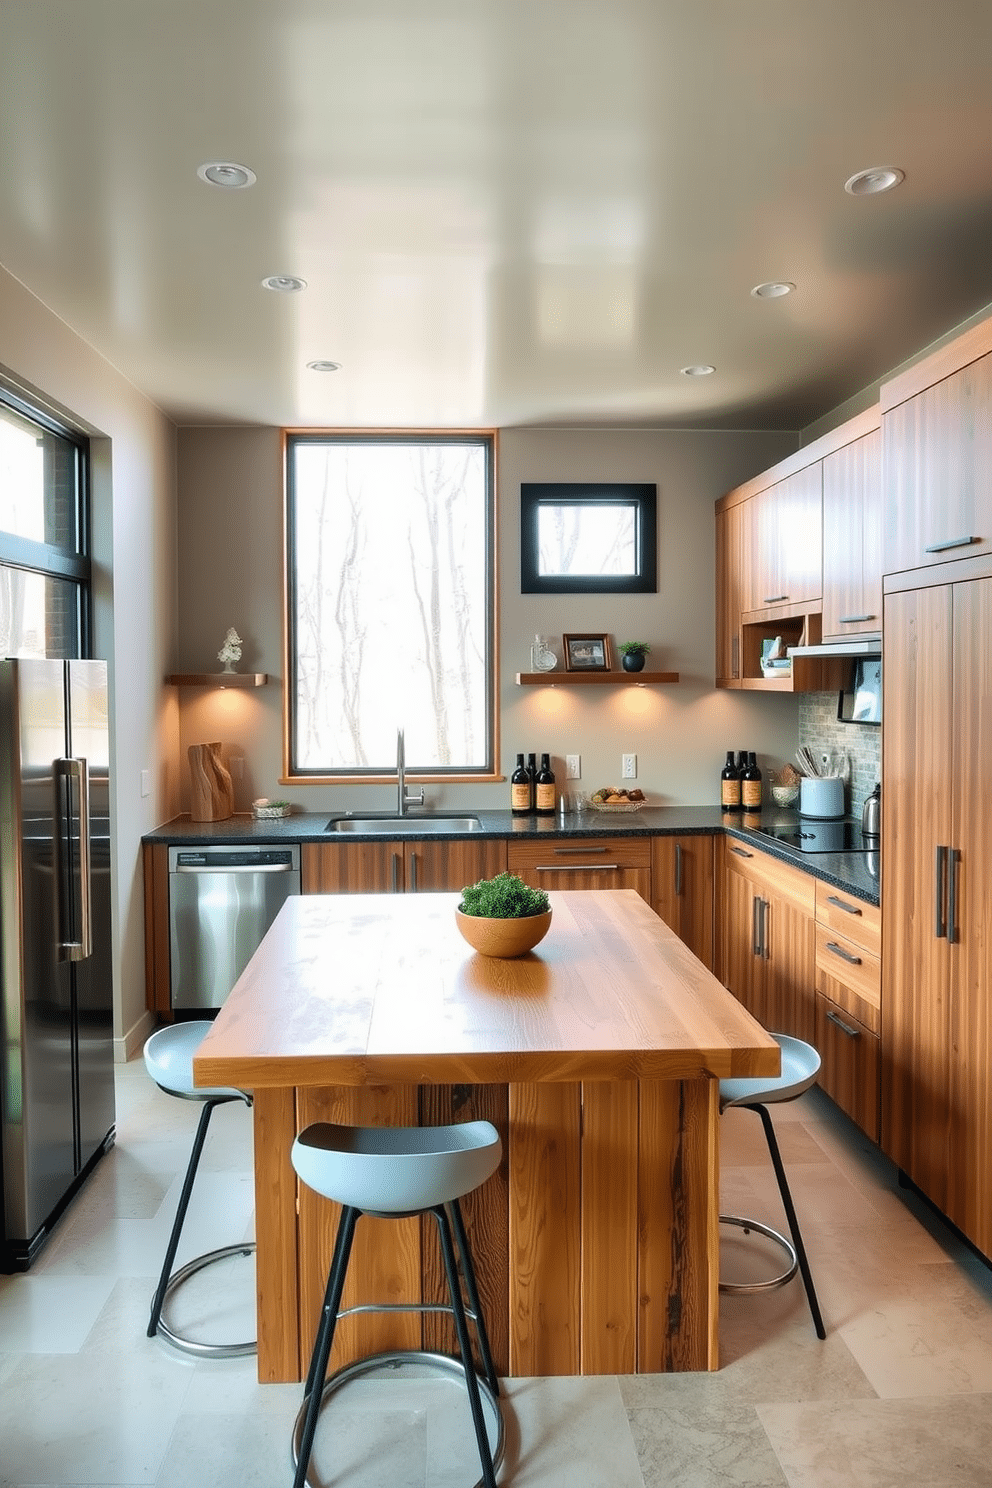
(899, 1393)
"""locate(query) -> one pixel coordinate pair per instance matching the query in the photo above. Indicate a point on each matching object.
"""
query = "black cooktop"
(811, 835)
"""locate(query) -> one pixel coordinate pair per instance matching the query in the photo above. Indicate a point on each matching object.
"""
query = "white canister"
(821, 797)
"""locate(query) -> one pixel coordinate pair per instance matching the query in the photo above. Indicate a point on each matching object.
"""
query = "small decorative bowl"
(269, 811)
(785, 795)
(503, 938)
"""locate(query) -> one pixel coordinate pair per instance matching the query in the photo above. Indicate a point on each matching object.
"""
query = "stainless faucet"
(402, 799)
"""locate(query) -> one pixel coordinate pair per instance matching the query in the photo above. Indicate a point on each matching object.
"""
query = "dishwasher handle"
(235, 868)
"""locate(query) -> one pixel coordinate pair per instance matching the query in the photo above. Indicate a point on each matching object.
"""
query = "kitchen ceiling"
(505, 211)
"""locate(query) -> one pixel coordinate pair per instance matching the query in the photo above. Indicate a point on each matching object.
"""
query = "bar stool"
(392, 1173)
(800, 1066)
(169, 1060)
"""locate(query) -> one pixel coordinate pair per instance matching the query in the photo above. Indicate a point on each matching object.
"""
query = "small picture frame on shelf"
(586, 653)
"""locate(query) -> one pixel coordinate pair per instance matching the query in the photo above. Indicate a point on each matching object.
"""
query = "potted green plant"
(503, 916)
(633, 654)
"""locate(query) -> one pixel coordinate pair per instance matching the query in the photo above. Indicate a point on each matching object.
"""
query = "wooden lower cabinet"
(850, 1063)
(682, 890)
(398, 867)
(587, 863)
(766, 938)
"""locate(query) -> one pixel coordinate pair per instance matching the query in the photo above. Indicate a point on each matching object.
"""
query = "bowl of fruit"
(611, 799)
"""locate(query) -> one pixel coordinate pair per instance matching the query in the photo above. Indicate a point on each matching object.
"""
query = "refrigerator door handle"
(70, 770)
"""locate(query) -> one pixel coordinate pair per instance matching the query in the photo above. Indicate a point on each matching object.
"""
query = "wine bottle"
(730, 785)
(532, 779)
(520, 789)
(544, 792)
(751, 785)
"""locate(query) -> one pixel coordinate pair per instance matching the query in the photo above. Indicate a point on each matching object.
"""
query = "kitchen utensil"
(871, 816)
(821, 797)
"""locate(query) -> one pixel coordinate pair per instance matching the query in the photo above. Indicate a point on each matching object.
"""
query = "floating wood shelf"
(595, 679)
(218, 679)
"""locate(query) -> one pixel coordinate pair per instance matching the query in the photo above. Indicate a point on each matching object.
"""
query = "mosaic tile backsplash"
(862, 742)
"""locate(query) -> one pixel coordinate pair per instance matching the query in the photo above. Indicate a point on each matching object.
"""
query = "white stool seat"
(800, 1067)
(169, 1060)
(394, 1170)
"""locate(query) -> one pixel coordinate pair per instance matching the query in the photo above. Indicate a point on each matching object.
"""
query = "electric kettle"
(871, 816)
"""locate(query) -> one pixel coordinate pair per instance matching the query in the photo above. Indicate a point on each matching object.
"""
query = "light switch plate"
(146, 782)
(573, 767)
(629, 767)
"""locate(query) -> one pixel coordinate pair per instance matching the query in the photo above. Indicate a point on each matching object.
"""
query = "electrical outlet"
(629, 767)
(573, 767)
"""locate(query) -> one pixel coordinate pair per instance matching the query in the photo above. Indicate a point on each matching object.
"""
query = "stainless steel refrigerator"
(56, 1008)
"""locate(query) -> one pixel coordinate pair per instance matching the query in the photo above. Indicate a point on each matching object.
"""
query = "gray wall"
(230, 543)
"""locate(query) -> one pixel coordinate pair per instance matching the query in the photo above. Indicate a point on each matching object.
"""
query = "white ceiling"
(507, 211)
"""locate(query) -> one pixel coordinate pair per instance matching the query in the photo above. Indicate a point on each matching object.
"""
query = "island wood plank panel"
(276, 1229)
(380, 991)
(608, 1228)
(678, 1225)
(486, 1215)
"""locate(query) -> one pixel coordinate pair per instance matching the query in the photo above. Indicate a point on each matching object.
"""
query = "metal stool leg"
(790, 1212)
(177, 1224)
(314, 1389)
(474, 1301)
(465, 1346)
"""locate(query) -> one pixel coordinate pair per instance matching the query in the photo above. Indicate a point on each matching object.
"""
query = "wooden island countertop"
(597, 1057)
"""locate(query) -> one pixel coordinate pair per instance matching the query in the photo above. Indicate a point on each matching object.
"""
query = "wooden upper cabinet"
(783, 541)
(852, 539)
(937, 443)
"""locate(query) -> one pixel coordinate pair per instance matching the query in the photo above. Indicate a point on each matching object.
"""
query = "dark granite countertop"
(855, 872)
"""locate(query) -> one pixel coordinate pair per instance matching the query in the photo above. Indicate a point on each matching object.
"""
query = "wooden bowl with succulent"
(503, 916)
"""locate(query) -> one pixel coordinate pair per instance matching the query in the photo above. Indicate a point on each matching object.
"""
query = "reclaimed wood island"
(597, 1057)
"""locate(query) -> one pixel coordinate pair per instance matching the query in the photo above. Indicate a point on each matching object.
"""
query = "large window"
(391, 589)
(44, 564)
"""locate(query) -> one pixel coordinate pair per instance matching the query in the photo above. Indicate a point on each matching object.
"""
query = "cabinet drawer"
(579, 853)
(771, 874)
(853, 918)
(851, 975)
(849, 1072)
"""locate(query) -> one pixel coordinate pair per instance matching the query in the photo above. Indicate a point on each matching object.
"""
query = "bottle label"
(519, 797)
(730, 792)
(751, 794)
(545, 798)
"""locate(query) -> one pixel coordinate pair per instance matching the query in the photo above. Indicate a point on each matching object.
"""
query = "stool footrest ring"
(394, 1359)
(191, 1345)
(761, 1229)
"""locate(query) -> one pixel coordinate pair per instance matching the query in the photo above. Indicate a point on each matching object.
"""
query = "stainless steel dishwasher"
(221, 902)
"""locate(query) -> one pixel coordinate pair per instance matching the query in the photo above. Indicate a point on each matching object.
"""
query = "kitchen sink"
(402, 826)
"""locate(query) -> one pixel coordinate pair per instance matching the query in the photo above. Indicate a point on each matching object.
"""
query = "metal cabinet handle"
(853, 619)
(774, 598)
(844, 955)
(741, 853)
(950, 542)
(765, 947)
(851, 1032)
(756, 926)
(413, 873)
(578, 868)
(585, 851)
(68, 770)
(396, 872)
(939, 875)
(678, 870)
(953, 859)
(840, 904)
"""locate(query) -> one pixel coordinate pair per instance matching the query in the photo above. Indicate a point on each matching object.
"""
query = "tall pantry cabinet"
(937, 822)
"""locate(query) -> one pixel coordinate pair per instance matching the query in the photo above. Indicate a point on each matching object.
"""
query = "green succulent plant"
(634, 648)
(505, 897)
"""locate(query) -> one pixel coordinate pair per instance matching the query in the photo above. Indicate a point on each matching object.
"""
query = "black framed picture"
(588, 537)
(587, 653)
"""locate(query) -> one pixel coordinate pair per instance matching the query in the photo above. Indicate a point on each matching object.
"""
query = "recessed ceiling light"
(284, 283)
(873, 180)
(701, 369)
(322, 366)
(773, 290)
(225, 173)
